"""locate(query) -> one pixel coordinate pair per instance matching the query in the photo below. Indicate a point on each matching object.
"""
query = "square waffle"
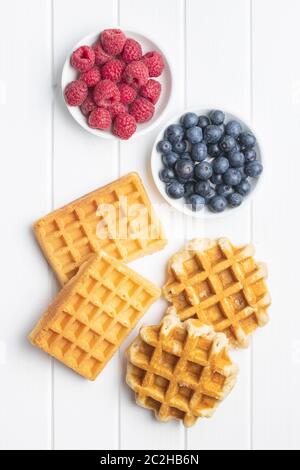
(118, 219)
(221, 285)
(93, 314)
(180, 370)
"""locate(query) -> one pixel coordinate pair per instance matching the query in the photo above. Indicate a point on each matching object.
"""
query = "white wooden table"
(240, 55)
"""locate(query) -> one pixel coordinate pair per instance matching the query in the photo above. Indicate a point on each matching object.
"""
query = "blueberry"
(166, 175)
(254, 169)
(189, 120)
(183, 181)
(189, 189)
(250, 155)
(236, 159)
(184, 169)
(217, 117)
(212, 134)
(170, 159)
(235, 200)
(224, 190)
(243, 188)
(216, 179)
(214, 150)
(175, 190)
(227, 143)
(210, 195)
(194, 135)
(164, 147)
(197, 202)
(203, 122)
(236, 148)
(186, 156)
(202, 188)
(180, 147)
(220, 165)
(232, 177)
(233, 128)
(174, 133)
(218, 204)
(247, 140)
(242, 173)
(203, 171)
(199, 152)
(222, 129)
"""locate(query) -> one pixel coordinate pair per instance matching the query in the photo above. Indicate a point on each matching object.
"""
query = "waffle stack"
(87, 243)
(181, 369)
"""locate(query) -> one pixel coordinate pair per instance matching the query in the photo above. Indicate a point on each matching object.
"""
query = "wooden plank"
(86, 414)
(139, 430)
(217, 76)
(25, 147)
(276, 73)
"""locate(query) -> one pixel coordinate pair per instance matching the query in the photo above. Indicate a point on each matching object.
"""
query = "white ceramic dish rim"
(156, 166)
(148, 127)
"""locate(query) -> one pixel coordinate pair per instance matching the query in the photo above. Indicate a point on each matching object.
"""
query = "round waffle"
(221, 285)
(180, 370)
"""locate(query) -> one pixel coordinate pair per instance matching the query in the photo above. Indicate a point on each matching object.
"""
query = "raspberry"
(154, 63)
(136, 74)
(142, 110)
(117, 109)
(151, 90)
(106, 94)
(83, 59)
(91, 77)
(128, 94)
(132, 51)
(124, 126)
(113, 70)
(113, 41)
(76, 92)
(100, 118)
(100, 55)
(88, 106)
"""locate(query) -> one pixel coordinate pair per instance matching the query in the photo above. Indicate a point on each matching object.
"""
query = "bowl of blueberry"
(207, 163)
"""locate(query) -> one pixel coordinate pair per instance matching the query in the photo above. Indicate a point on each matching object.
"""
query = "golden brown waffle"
(118, 219)
(93, 314)
(221, 285)
(180, 370)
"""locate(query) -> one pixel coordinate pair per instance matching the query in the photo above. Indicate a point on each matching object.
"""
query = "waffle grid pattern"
(117, 219)
(180, 375)
(95, 317)
(220, 285)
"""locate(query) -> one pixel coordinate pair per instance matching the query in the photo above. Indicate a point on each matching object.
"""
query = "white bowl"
(180, 205)
(69, 74)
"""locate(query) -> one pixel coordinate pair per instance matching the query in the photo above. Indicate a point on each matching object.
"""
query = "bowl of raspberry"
(207, 163)
(117, 84)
